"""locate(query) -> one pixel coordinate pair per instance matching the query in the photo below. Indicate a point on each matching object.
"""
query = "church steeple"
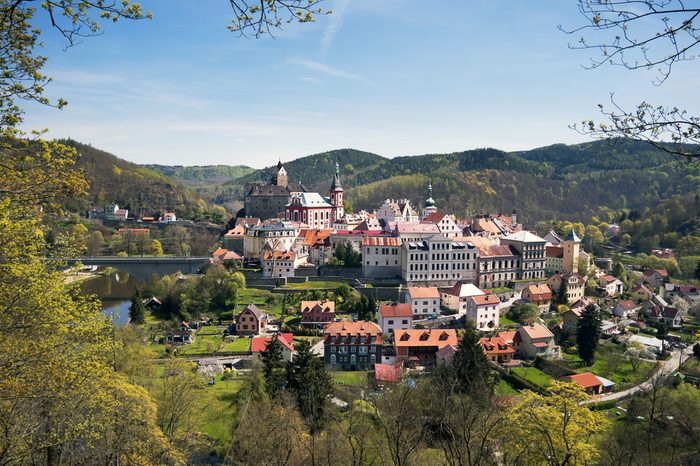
(429, 202)
(336, 197)
(336, 185)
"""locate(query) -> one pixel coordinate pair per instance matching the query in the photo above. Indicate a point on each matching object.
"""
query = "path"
(317, 349)
(666, 367)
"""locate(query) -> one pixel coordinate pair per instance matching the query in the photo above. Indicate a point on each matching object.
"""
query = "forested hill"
(203, 174)
(572, 182)
(142, 190)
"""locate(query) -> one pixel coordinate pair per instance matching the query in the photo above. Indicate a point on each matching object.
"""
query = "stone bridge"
(145, 267)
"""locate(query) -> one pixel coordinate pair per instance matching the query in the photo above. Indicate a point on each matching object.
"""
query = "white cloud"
(335, 23)
(330, 71)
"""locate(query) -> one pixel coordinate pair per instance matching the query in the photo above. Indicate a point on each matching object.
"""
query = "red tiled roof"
(496, 251)
(435, 217)
(496, 345)
(650, 272)
(554, 251)
(387, 373)
(381, 241)
(279, 255)
(540, 292)
(349, 328)
(626, 304)
(259, 344)
(432, 337)
(586, 380)
(325, 306)
(416, 292)
(507, 336)
(536, 331)
(395, 310)
(486, 299)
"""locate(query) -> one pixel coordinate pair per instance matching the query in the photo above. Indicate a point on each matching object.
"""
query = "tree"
(644, 34)
(363, 310)
(156, 248)
(311, 384)
(617, 269)
(94, 243)
(523, 313)
(588, 333)
(470, 366)
(273, 367)
(696, 273)
(553, 429)
(562, 297)
(137, 310)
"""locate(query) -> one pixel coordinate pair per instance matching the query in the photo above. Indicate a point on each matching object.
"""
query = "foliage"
(587, 333)
(470, 367)
(347, 255)
(552, 429)
(523, 313)
(311, 384)
(273, 367)
(137, 310)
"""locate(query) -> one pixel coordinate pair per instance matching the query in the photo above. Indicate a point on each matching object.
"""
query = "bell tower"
(336, 192)
(281, 179)
(572, 244)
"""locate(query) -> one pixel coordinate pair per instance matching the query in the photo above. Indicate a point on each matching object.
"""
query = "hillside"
(142, 190)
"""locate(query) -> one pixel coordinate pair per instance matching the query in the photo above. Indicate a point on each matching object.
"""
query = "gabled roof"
(253, 308)
(661, 272)
(540, 292)
(504, 250)
(311, 200)
(435, 217)
(586, 380)
(417, 292)
(430, 337)
(463, 290)
(239, 230)
(507, 336)
(486, 299)
(496, 345)
(395, 310)
(318, 306)
(670, 312)
(259, 344)
(627, 305)
(554, 251)
(415, 227)
(348, 327)
(536, 331)
(608, 278)
(279, 255)
(642, 287)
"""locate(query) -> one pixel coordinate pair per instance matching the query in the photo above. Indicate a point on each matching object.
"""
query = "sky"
(393, 77)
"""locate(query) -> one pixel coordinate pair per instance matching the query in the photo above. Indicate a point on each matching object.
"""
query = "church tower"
(572, 244)
(429, 202)
(336, 192)
(281, 177)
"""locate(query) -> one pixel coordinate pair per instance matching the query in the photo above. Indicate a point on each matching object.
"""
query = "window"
(373, 358)
(363, 350)
(332, 349)
(332, 358)
(353, 359)
(353, 349)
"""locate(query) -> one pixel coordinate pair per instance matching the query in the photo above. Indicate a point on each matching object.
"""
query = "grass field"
(534, 375)
(611, 363)
(505, 322)
(502, 388)
(215, 408)
(203, 344)
(353, 378)
(239, 345)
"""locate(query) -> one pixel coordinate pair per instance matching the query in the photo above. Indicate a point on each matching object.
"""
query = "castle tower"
(429, 202)
(336, 193)
(572, 244)
(281, 177)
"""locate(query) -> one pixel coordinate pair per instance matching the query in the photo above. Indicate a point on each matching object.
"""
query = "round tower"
(336, 192)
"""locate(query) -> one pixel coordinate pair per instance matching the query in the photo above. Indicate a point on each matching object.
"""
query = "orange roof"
(313, 237)
(279, 255)
(496, 251)
(259, 344)
(485, 299)
(432, 337)
(586, 379)
(540, 292)
(507, 336)
(326, 306)
(348, 327)
(416, 292)
(496, 345)
(536, 331)
(381, 241)
(435, 217)
(478, 241)
(395, 310)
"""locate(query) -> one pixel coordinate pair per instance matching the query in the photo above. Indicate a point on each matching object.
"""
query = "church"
(316, 211)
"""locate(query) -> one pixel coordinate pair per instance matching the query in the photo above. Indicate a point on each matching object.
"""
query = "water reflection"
(115, 291)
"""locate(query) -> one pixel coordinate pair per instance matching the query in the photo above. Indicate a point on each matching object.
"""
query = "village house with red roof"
(420, 347)
(482, 311)
(538, 294)
(424, 300)
(352, 346)
(317, 314)
(259, 344)
(395, 316)
(498, 350)
(535, 340)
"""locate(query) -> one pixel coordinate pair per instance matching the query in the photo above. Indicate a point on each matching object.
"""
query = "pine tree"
(561, 294)
(588, 333)
(470, 366)
(363, 309)
(137, 310)
(311, 385)
(273, 367)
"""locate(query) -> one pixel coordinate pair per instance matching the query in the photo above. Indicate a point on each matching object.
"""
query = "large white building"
(438, 261)
(381, 256)
(396, 211)
(532, 253)
(445, 223)
(275, 234)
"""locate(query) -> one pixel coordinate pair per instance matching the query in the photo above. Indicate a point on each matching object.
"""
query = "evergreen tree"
(470, 366)
(617, 270)
(311, 384)
(588, 333)
(363, 309)
(372, 306)
(137, 310)
(273, 367)
(561, 294)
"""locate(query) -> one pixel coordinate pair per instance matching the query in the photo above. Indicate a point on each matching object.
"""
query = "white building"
(276, 234)
(395, 316)
(445, 223)
(168, 217)
(482, 310)
(438, 261)
(279, 264)
(532, 253)
(424, 301)
(414, 231)
(457, 297)
(397, 211)
(381, 257)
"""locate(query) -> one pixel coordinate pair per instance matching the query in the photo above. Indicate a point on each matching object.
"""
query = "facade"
(445, 223)
(610, 285)
(575, 285)
(315, 245)
(655, 277)
(457, 297)
(268, 200)
(625, 308)
(275, 235)
(535, 340)
(421, 346)
(168, 217)
(482, 311)
(438, 261)
(381, 257)
(310, 209)
(570, 321)
(532, 253)
(259, 344)
(554, 262)
(251, 321)
(317, 314)
(498, 266)
(279, 264)
(233, 239)
(540, 295)
(424, 301)
(395, 316)
(572, 246)
(397, 211)
(351, 345)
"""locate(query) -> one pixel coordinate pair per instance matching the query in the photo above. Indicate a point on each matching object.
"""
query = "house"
(395, 316)
(575, 285)
(421, 346)
(608, 327)
(626, 308)
(397, 211)
(589, 381)
(535, 340)
(652, 343)
(424, 300)
(531, 249)
(268, 200)
(223, 256)
(555, 259)
(498, 266)
(446, 354)
(316, 244)
(233, 239)
(655, 277)
(152, 303)
(641, 292)
(570, 320)
(317, 314)
(482, 311)
(259, 344)
(446, 223)
(610, 285)
(437, 261)
(540, 295)
(497, 349)
(251, 321)
(181, 335)
(672, 317)
(279, 264)
(168, 217)
(351, 345)
(381, 257)
(457, 296)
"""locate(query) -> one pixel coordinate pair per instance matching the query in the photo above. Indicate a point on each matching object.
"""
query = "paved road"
(666, 367)
(509, 303)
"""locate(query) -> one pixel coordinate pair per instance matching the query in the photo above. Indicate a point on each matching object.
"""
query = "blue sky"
(392, 77)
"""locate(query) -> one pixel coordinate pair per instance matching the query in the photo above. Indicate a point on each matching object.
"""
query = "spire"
(572, 237)
(430, 202)
(336, 185)
(279, 164)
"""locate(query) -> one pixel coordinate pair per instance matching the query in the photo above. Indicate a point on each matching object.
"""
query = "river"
(115, 293)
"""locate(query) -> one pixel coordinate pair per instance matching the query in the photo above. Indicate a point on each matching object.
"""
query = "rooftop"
(417, 292)
(432, 337)
(395, 310)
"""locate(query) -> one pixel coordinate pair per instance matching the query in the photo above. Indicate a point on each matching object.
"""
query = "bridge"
(145, 267)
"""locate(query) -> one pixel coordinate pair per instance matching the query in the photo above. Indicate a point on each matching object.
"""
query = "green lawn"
(312, 285)
(504, 389)
(611, 363)
(264, 299)
(312, 340)
(216, 411)
(203, 344)
(505, 321)
(238, 345)
(354, 378)
(534, 375)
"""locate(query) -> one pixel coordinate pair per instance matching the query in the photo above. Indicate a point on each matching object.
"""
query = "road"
(666, 367)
